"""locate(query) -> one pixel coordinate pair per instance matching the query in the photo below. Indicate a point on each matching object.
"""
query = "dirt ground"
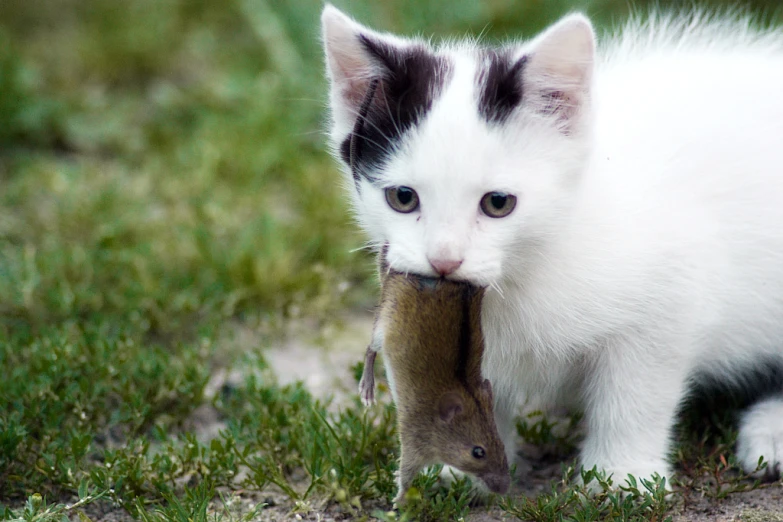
(324, 368)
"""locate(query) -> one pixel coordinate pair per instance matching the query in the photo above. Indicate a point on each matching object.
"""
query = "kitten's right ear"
(351, 64)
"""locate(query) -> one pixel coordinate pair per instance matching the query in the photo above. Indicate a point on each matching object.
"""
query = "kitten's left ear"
(347, 62)
(559, 69)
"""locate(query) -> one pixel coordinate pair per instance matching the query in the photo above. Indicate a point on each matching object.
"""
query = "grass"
(600, 498)
(163, 183)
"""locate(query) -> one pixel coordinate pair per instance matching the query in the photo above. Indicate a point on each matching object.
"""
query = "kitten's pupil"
(497, 204)
(498, 201)
(402, 199)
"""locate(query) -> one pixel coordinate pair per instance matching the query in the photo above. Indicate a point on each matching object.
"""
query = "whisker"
(373, 141)
(376, 127)
(389, 267)
(311, 100)
(359, 249)
(483, 33)
(391, 116)
(308, 133)
(496, 287)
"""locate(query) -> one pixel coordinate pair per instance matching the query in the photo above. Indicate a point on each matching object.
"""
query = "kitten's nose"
(445, 267)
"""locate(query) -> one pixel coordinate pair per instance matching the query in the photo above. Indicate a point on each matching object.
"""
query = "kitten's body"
(646, 248)
(671, 262)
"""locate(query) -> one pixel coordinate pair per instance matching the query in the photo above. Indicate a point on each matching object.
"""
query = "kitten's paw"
(761, 435)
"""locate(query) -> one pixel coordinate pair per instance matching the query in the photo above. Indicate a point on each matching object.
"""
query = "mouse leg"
(410, 464)
(367, 384)
(403, 484)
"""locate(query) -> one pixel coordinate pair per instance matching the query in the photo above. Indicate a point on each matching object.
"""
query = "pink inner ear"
(450, 406)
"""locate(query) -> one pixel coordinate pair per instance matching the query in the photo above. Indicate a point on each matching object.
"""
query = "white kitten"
(623, 203)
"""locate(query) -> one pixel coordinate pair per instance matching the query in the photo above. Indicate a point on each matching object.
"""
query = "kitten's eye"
(478, 452)
(402, 199)
(498, 204)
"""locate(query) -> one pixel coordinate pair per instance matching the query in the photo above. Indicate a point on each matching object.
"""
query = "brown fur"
(432, 341)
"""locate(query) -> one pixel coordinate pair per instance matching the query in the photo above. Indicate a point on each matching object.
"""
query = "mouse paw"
(367, 391)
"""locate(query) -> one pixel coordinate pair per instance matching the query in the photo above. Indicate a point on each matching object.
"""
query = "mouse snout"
(497, 482)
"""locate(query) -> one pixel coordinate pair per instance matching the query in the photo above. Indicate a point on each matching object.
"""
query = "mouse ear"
(486, 387)
(450, 406)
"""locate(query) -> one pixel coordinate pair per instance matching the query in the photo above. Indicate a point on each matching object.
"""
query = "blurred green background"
(163, 174)
(165, 158)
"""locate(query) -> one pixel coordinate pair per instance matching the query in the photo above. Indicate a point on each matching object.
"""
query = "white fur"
(647, 242)
(761, 434)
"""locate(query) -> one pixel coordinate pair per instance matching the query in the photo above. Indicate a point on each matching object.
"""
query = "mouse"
(430, 332)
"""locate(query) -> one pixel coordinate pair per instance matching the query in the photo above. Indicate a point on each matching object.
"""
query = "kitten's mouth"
(457, 278)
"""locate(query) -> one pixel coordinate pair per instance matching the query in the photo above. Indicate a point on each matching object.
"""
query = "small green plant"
(428, 500)
(36, 509)
(558, 438)
(705, 453)
(596, 497)
(709, 468)
(349, 454)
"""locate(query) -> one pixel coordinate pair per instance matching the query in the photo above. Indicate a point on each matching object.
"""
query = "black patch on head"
(411, 78)
(350, 151)
(500, 80)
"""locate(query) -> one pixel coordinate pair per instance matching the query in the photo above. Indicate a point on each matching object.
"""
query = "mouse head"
(469, 439)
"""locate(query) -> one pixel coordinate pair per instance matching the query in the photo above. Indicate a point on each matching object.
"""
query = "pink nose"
(445, 267)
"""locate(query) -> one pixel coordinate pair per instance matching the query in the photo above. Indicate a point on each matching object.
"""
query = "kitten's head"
(460, 158)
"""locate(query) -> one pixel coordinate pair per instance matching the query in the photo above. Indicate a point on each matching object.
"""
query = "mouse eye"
(402, 199)
(478, 452)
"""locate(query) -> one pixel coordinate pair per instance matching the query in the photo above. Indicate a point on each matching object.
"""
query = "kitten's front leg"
(632, 391)
(506, 409)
